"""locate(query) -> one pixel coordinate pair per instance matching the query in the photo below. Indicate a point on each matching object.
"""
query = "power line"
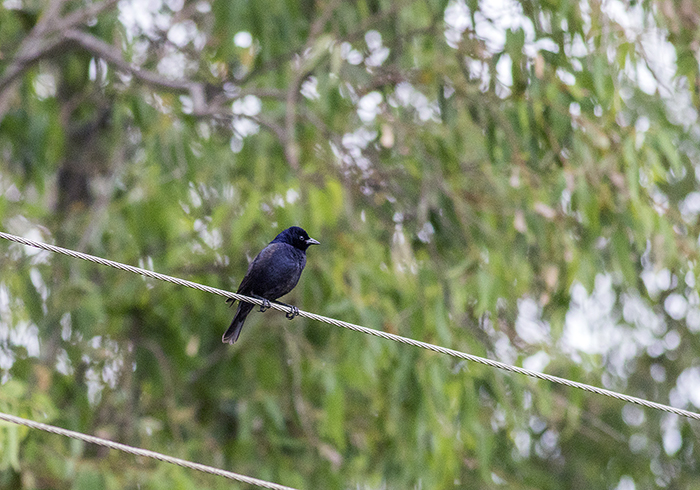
(358, 328)
(142, 452)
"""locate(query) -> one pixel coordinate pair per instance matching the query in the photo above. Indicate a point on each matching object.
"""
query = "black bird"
(272, 274)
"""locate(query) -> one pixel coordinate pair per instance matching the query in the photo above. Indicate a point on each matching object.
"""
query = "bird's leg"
(265, 303)
(293, 310)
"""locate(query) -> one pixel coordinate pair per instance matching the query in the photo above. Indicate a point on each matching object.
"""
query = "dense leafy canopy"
(512, 179)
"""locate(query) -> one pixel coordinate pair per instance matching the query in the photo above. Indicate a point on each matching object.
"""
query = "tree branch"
(113, 56)
(47, 36)
(301, 71)
(196, 90)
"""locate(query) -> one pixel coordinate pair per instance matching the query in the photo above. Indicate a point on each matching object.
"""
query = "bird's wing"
(260, 268)
(274, 271)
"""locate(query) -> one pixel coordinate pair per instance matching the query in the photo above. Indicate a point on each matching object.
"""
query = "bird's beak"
(311, 241)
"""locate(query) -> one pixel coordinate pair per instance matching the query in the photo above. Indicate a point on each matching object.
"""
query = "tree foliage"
(516, 180)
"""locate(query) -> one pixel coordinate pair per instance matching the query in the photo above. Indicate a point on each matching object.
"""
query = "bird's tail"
(234, 330)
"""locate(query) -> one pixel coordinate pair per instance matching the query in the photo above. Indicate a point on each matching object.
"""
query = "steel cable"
(358, 328)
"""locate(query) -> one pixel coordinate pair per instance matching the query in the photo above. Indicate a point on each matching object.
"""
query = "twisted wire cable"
(357, 328)
(142, 452)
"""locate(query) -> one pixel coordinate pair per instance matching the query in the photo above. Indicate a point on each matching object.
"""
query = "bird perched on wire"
(272, 274)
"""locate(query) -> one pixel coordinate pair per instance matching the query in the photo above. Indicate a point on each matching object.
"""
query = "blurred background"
(518, 180)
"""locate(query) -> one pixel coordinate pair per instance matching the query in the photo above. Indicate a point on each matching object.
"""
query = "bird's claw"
(293, 311)
(265, 305)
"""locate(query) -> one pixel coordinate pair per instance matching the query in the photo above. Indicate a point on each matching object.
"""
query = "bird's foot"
(265, 305)
(293, 311)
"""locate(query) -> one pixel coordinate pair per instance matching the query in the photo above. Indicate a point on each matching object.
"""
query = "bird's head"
(296, 237)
